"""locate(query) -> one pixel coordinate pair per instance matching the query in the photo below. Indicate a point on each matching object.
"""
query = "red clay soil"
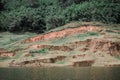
(113, 48)
(63, 33)
(51, 47)
(5, 53)
(93, 45)
(72, 46)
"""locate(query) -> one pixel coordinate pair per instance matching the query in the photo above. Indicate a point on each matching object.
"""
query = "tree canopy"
(42, 15)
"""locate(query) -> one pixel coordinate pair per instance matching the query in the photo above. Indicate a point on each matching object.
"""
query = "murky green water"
(81, 73)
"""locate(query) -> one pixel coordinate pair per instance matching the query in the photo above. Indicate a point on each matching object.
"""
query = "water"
(80, 73)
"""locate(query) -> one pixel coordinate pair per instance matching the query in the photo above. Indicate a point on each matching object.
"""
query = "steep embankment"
(85, 45)
(63, 33)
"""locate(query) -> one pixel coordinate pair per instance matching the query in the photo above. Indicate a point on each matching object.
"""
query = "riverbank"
(74, 44)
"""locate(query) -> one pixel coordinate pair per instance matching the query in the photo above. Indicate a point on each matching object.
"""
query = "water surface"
(66, 73)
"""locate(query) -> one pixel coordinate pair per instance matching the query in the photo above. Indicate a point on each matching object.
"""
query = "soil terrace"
(99, 51)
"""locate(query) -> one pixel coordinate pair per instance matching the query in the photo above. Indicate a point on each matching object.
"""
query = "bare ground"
(75, 44)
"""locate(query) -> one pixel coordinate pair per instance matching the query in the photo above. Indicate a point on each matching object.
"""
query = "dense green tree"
(42, 15)
(1, 5)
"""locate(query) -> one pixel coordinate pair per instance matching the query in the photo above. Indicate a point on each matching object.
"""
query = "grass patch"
(110, 31)
(58, 41)
(61, 62)
(88, 34)
(118, 32)
(4, 58)
(9, 40)
(73, 38)
(118, 57)
(17, 56)
(93, 33)
(41, 51)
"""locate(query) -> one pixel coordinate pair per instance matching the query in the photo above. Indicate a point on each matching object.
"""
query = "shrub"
(106, 12)
(1, 5)
(55, 21)
(77, 12)
(43, 51)
(92, 33)
(65, 3)
(14, 4)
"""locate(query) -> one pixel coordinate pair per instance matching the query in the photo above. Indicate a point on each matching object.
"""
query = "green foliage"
(117, 57)
(23, 19)
(54, 21)
(93, 11)
(42, 15)
(17, 56)
(65, 3)
(1, 5)
(110, 31)
(92, 33)
(4, 58)
(61, 62)
(88, 34)
(12, 4)
(41, 51)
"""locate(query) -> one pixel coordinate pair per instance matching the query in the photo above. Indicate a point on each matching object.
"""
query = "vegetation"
(39, 51)
(4, 58)
(88, 34)
(118, 57)
(41, 15)
(61, 62)
(7, 40)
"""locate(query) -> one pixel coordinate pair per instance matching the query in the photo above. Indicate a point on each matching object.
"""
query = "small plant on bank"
(41, 51)
(61, 62)
(93, 33)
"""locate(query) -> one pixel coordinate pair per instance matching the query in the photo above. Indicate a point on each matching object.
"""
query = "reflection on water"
(81, 73)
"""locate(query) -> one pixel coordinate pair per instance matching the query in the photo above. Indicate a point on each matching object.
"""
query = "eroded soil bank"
(81, 46)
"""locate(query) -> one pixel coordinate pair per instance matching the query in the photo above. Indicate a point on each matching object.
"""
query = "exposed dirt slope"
(81, 46)
(63, 33)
